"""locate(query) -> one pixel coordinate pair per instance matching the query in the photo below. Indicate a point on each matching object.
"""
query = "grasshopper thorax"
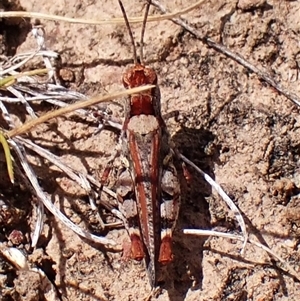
(137, 76)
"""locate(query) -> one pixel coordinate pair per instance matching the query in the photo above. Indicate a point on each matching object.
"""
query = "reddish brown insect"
(148, 187)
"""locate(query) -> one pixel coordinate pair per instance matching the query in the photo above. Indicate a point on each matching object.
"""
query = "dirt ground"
(231, 124)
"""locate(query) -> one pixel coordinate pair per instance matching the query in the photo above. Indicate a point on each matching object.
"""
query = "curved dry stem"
(22, 14)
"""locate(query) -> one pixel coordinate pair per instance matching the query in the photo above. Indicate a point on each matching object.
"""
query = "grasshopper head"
(139, 75)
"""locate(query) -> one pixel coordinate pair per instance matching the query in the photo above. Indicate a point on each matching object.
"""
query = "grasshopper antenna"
(143, 31)
(130, 32)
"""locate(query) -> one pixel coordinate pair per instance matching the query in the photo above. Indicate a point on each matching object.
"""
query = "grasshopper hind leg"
(127, 206)
(169, 208)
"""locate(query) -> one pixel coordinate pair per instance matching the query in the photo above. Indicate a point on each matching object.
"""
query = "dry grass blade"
(40, 210)
(6, 116)
(8, 157)
(23, 101)
(79, 105)
(11, 79)
(13, 14)
(241, 238)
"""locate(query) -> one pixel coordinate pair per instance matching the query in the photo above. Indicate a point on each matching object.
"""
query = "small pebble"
(250, 4)
(16, 237)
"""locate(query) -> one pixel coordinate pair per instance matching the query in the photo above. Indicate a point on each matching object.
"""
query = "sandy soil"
(233, 125)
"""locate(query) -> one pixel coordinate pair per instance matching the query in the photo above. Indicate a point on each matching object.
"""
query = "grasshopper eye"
(151, 76)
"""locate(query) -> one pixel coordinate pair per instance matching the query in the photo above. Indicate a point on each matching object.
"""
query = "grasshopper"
(148, 187)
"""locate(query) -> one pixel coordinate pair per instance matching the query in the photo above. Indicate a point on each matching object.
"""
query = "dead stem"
(22, 14)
